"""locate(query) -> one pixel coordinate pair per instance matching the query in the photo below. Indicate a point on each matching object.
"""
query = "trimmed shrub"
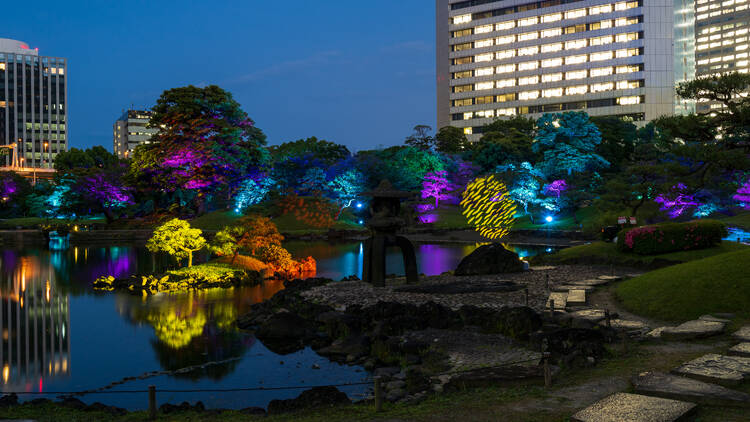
(671, 237)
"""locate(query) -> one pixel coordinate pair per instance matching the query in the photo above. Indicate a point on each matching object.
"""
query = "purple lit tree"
(104, 192)
(743, 195)
(676, 201)
(556, 188)
(435, 185)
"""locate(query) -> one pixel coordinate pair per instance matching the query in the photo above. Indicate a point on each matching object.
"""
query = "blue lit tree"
(568, 142)
(346, 187)
(525, 183)
(313, 181)
(252, 192)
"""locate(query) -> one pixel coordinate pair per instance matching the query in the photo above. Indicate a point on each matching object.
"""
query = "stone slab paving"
(561, 300)
(590, 282)
(680, 388)
(743, 334)
(624, 407)
(609, 278)
(593, 315)
(576, 297)
(742, 349)
(625, 324)
(719, 369)
(713, 318)
(543, 268)
(568, 287)
(693, 329)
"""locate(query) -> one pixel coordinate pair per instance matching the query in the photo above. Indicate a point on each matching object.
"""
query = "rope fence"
(376, 381)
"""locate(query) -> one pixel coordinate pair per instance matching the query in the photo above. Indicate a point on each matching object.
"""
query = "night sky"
(352, 72)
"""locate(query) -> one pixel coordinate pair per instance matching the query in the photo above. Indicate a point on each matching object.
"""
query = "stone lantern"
(385, 222)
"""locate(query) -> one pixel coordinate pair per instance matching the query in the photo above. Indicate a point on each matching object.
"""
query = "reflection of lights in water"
(6, 373)
(47, 290)
(75, 255)
(736, 234)
(5, 334)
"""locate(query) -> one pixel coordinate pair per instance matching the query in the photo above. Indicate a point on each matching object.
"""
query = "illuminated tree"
(204, 143)
(252, 192)
(252, 232)
(743, 195)
(676, 201)
(435, 184)
(346, 187)
(568, 142)
(525, 181)
(488, 207)
(556, 188)
(104, 191)
(313, 181)
(178, 239)
(403, 166)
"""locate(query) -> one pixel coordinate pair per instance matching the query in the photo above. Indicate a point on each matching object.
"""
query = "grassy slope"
(719, 283)
(602, 252)
(739, 220)
(450, 217)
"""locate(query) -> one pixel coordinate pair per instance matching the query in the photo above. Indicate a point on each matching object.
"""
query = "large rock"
(312, 398)
(743, 334)
(283, 332)
(681, 388)
(624, 407)
(490, 259)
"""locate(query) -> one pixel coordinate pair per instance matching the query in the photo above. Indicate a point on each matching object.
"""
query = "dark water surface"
(60, 335)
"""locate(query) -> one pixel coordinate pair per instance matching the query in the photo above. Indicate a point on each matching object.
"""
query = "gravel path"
(342, 294)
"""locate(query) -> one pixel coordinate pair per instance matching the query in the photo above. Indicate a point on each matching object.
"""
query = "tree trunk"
(109, 215)
(236, 252)
(190, 259)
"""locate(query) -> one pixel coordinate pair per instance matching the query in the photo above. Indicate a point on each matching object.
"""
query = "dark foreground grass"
(607, 253)
(681, 292)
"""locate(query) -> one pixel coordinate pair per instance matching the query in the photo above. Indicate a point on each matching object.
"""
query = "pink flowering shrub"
(671, 237)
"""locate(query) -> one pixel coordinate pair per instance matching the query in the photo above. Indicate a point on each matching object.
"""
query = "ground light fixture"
(549, 219)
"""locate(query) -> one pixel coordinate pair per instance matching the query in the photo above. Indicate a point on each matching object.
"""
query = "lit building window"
(484, 71)
(506, 112)
(554, 62)
(575, 59)
(507, 39)
(573, 14)
(468, 115)
(505, 83)
(528, 80)
(484, 114)
(607, 8)
(550, 48)
(468, 131)
(575, 44)
(628, 84)
(528, 51)
(576, 90)
(528, 21)
(484, 85)
(607, 39)
(528, 66)
(505, 54)
(627, 69)
(554, 92)
(606, 86)
(554, 17)
(457, 20)
(505, 68)
(629, 100)
(528, 95)
(486, 57)
(552, 77)
(601, 71)
(552, 32)
(483, 29)
(504, 26)
(602, 55)
(528, 36)
(484, 43)
(576, 74)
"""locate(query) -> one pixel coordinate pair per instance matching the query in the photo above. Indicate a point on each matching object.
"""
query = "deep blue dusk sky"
(353, 72)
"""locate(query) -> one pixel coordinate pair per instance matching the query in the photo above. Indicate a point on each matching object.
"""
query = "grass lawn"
(450, 217)
(207, 270)
(287, 223)
(607, 253)
(34, 222)
(739, 220)
(720, 283)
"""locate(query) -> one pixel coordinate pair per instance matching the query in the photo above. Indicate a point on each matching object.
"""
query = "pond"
(60, 335)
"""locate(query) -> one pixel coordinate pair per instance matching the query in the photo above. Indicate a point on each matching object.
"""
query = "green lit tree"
(178, 239)
(568, 142)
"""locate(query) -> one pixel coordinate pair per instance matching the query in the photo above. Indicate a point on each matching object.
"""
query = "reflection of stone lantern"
(385, 222)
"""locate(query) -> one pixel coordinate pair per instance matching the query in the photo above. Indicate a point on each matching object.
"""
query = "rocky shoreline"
(150, 284)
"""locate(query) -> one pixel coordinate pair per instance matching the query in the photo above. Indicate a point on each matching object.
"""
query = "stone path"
(670, 397)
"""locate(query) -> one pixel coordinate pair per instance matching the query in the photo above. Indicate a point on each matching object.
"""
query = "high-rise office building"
(33, 106)
(684, 50)
(130, 130)
(521, 57)
(721, 44)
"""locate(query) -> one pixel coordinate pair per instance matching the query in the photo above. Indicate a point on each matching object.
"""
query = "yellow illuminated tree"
(178, 239)
(488, 207)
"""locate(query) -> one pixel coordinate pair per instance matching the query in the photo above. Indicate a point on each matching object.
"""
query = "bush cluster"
(671, 237)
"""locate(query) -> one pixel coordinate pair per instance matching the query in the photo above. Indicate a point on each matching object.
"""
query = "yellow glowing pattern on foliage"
(487, 207)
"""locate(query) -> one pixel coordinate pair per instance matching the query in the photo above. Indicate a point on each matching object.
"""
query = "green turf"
(739, 220)
(720, 283)
(607, 253)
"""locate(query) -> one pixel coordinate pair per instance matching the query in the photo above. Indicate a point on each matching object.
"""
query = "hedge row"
(671, 237)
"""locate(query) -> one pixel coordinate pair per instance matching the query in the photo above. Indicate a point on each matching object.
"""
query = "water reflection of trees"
(196, 327)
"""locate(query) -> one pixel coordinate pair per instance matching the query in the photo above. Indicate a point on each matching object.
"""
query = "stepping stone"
(714, 319)
(680, 388)
(624, 407)
(568, 287)
(693, 329)
(543, 268)
(561, 300)
(720, 369)
(743, 334)
(656, 332)
(610, 277)
(625, 324)
(593, 315)
(742, 349)
(576, 297)
(591, 282)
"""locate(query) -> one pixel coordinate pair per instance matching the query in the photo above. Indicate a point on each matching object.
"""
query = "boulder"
(8, 400)
(698, 328)
(490, 259)
(283, 332)
(312, 398)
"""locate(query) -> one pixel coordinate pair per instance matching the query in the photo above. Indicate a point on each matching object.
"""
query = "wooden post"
(526, 291)
(152, 402)
(546, 278)
(608, 318)
(552, 307)
(378, 395)
(547, 372)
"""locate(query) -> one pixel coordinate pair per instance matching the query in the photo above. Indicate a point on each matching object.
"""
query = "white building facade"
(131, 130)
(497, 59)
(33, 106)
